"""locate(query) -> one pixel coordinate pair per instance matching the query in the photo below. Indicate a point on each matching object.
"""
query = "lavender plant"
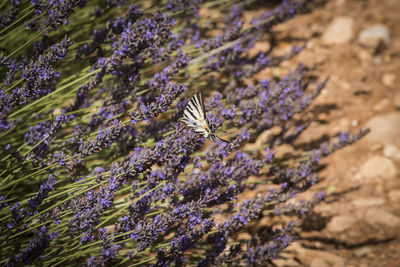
(97, 168)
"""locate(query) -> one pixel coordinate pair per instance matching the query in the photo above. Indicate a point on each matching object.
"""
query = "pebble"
(259, 47)
(378, 167)
(264, 137)
(376, 216)
(244, 236)
(283, 150)
(308, 256)
(339, 31)
(360, 252)
(341, 223)
(391, 151)
(388, 79)
(373, 36)
(378, 60)
(385, 129)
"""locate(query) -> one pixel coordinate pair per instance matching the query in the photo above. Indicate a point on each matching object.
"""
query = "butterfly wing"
(195, 107)
(194, 115)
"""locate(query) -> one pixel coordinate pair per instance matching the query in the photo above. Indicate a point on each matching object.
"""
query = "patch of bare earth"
(359, 223)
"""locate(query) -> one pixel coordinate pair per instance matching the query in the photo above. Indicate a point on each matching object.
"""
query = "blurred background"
(356, 44)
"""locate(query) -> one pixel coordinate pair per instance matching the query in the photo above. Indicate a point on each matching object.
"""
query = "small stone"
(341, 223)
(354, 123)
(263, 137)
(388, 79)
(378, 60)
(368, 202)
(259, 47)
(357, 177)
(373, 36)
(339, 31)
(385, 129)
(394, 196)
(391, 151)
(376, 216)
(244, 236)
(378, 167)
(323, 117)
(283, 150)
(307, 256)
(360, 252)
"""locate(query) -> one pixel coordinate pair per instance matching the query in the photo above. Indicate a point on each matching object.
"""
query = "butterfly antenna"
(223, 140)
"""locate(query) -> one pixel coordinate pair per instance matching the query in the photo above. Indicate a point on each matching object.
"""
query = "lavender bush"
(95, 166)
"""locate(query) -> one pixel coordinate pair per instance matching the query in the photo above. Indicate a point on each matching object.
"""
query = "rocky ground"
(357, 44)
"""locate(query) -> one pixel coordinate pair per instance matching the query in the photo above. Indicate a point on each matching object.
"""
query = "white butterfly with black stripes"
(195, 117)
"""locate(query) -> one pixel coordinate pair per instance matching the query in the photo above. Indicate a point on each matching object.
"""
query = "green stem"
(17, 20)
(136, 200)
(15, 84)
(35, 146)
(27, 176)
(52, 93)
(26, 43)
(144, 261)
(65, 200)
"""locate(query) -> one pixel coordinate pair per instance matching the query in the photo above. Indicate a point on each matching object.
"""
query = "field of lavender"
(95, 165)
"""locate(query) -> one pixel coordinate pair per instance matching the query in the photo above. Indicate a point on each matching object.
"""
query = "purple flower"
(139, 39)
(44, 190)
(160, 105)
(41, 136)
(58, 11)
(39, 76)
(9, 16)
(104, 139)
(186, 7)
(99, 37)
(3, 202)
(262, 252)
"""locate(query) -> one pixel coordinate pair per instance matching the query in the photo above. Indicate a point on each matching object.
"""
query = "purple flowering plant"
(95, 166)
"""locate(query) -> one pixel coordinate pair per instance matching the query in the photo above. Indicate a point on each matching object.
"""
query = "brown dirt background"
(359, 223)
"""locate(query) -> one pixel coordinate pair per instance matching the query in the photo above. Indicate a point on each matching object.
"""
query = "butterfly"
(195, 117)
